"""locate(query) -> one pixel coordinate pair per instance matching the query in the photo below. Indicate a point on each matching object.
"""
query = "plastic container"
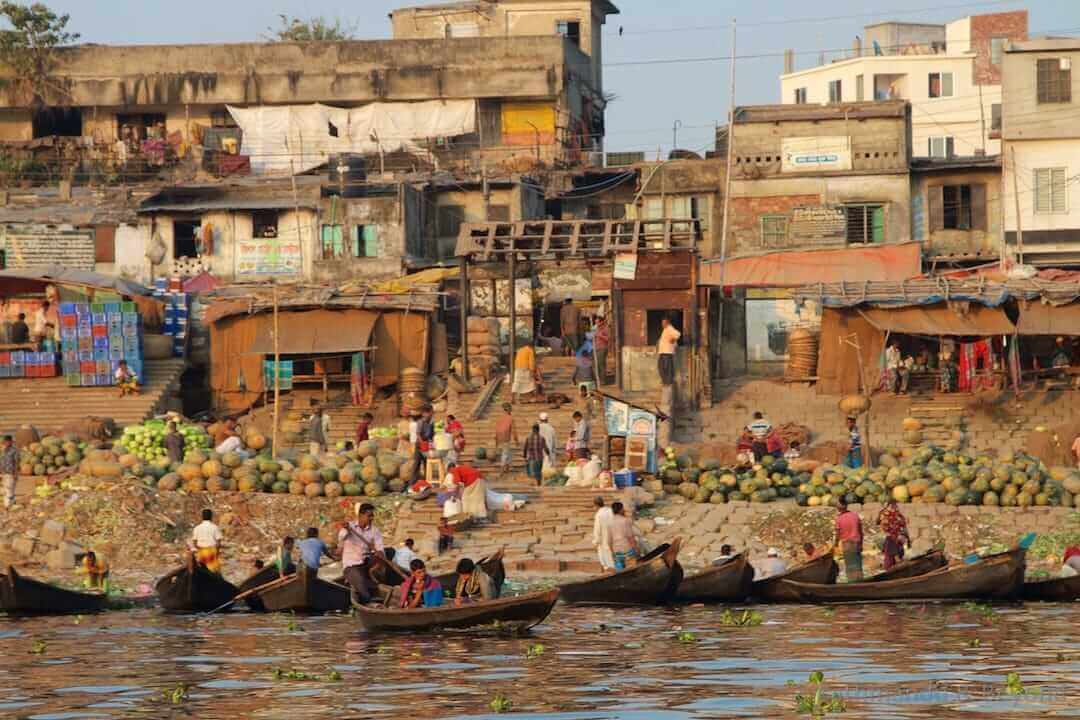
(627, 478)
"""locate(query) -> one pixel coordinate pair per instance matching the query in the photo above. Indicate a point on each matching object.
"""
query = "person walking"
(318, 430)
(547, 431)
(360, 542)
(665, 351)
(425, 434)
(601, 342)
(9, 469)
(854, 453)
(894, 525)
(535, 451)
(601, 534)
(849, 533)
(570, 324)
(505, 437)
(524, 378)
(582, 436)
(583, 367)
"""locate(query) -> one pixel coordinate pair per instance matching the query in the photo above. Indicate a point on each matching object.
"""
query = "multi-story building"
(1041, 153)
(951, 75)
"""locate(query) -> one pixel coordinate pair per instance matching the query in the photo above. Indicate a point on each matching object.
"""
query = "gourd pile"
(147, 441)
(50, 455)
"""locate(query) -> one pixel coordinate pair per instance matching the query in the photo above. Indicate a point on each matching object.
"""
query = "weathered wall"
(15, 125)
(1011, 25)
(130, 254)
(385, 213)
(1023, 117)
(983, 240)
(1044, 232)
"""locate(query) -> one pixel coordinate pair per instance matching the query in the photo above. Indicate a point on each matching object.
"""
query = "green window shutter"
(879, 224)
(371, 241)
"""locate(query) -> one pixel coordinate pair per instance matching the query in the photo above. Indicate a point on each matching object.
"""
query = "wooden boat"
(821, 570)
(729, 582)
(918, 565)
(492, 565)
(23, 596)
(1053, 589)
(193, 588)
(260, 578)
(996, 577)
(513, 614)
(302, 591)
(652, 581)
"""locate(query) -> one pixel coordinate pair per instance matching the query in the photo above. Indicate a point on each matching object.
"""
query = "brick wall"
(1011, 25)
(746, 215)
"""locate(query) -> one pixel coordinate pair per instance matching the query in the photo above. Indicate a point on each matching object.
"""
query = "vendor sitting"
(1061, 357)
(126, 379)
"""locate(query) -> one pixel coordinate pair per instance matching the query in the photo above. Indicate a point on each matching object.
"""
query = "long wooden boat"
(492, 565)
(22, 596)
(822, 570)
(302, 592)
(511, 614)
(652, 581)
(996, 577)
(1053, 590)
(193, 588)
(729, 582)
(261, 577)
(918, 565)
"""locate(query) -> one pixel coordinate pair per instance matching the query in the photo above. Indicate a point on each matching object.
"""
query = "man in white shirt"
(359, 542)
(206, 540)
(665, 351)
(602, 534)
(547, 431)
(726, 553)
(404, 555)
(772, 565)
(232, 444)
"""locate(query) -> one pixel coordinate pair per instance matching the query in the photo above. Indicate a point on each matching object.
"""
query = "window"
(498, 213)
(940, 147)
(365, 241)
(835, 91)
(185, 243)
(333, 242)
(50, 121)
(800, 96)
(774, 230)
(997, 45)
(1050, 194)
(940, 85)
(1055, 80)
(680, 208)
(653, 327)
(865, 223)
(569, 29)
(957, 207)
(264, 224)
(995, 118)
(449, 220)
(654, 208)
(606, 211)
(699, 210)
(138, 127)
(462, 30)
(858, 88)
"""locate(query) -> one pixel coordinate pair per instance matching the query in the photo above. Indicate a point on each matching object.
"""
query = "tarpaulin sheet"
(313, 332)
(297, 138)
(849, 343)
(940, 319)
(795, 268)
(60, 275)
(1039, 319)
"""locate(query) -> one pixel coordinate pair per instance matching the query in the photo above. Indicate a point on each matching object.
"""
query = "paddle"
(252, 591)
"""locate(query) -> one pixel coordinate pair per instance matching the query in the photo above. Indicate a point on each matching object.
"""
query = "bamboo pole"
(277, 375)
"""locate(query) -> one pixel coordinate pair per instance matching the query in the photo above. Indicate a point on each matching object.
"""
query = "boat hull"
(23, 596)
(193, 588)
(729, 582)
(913, 567)
(505, 614)
(651, 582)
(820, 570)
(1053, 590)
(304, 592)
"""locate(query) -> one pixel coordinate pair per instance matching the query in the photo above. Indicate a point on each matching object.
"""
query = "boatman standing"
(360, 542)
(207, 539)
(849, 533)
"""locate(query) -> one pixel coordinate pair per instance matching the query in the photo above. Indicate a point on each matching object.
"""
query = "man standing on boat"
(207, 538)
(601, 534)
(360, 542)
(849, 533)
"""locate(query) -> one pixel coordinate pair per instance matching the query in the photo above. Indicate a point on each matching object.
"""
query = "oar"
(252, 591)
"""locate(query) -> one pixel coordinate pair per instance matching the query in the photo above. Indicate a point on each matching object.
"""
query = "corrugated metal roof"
(259, 195)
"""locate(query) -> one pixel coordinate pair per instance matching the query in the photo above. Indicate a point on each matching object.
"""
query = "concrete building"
(951, 75)
(956, 210)
(1041, 137)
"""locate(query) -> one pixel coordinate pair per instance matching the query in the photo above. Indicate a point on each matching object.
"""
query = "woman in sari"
(474, 493)
(894, 524)
(421, 590)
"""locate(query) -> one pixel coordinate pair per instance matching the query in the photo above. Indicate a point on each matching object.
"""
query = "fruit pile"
(707, 482)
(50, 455)
(146, 441)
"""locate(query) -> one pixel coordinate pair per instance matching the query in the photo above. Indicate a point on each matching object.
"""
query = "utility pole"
(730, 155)
(1016, 200)
(675, 134)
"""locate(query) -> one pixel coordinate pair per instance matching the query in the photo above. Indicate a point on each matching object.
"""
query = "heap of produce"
(147, 441)
(923, 474)
(50, 455)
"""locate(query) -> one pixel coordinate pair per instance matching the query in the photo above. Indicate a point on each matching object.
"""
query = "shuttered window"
(865, 223)
(105, 243)
(957, 207)
(1054, 80)
(1050, 191)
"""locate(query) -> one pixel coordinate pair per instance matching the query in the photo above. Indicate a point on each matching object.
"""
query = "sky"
(649, 98)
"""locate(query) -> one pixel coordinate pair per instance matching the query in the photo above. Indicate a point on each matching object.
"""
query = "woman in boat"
(473, 585)
(894, 525)
(421, 590)
(283, 559)
(96, 571)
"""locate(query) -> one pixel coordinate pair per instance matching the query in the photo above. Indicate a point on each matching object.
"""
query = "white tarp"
(295, 138)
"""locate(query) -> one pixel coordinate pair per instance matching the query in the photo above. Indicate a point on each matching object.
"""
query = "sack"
(451, 508)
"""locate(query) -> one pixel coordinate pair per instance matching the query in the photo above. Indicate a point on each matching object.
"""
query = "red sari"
(894, 524)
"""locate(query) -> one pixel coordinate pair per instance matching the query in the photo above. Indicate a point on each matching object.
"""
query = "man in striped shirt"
(759, 431)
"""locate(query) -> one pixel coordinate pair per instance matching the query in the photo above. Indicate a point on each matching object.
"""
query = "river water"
(885, 661)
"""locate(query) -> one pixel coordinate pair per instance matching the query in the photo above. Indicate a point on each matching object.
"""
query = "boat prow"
(652, 581)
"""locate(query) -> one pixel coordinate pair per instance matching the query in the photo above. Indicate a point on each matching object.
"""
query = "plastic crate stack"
(24, 364)
(95, 337)
(171, 290)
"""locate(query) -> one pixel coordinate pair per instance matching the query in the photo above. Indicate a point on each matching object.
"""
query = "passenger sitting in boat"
(473, 584)
(420, 589)
(404, 555)
(312, 549)
(1071, 565)
(206, 540)
(96, 570)
(282, 559)
(624, 544)
(726, 553)
(772, 565)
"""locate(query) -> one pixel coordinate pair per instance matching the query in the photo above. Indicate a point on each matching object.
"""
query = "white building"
(951, 75)
(1041, 154)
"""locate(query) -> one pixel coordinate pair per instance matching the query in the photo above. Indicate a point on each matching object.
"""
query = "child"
(571, 447)
(126, 380)
(446, 535)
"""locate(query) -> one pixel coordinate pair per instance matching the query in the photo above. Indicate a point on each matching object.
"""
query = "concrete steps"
(49, 403)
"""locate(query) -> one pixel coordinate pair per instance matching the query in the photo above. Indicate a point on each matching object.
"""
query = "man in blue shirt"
(312, 549)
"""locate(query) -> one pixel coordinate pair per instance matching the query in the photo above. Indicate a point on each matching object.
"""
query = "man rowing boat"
(360, 543)
(473, 585)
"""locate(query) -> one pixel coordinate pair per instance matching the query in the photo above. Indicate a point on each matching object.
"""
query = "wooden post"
(513, 310)
(1016, 199)
(695, 334)
(617, 332)
(277, 373)
(463, 313)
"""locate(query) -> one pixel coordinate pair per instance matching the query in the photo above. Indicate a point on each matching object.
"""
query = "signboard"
(641, 443)
(812, 154)
(820, 223)
(625, 266)
(39, 245)
(616, 417)
(268, 256)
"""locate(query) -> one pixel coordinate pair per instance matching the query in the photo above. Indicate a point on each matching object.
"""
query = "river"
(884, 661)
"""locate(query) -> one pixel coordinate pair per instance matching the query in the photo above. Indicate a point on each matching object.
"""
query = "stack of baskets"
(484, 347)
(802, 355)
(411, 387)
